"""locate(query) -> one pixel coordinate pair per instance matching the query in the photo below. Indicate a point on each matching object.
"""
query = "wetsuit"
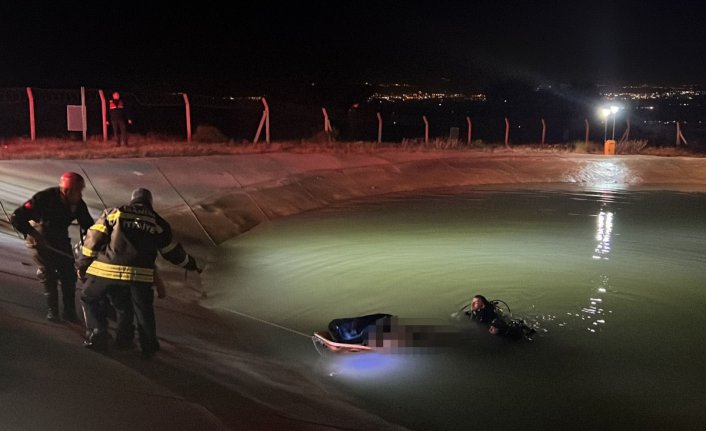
(486, 315)
(515, 328)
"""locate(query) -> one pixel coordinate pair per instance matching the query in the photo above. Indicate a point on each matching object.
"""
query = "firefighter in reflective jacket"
(44, 220)
(118, 262)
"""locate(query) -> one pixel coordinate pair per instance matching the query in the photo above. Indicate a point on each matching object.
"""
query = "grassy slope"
(145, 147)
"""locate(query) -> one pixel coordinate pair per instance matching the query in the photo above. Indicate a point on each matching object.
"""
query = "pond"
(613, 281)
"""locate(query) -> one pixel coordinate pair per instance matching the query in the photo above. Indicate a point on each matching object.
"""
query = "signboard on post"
(76, 116)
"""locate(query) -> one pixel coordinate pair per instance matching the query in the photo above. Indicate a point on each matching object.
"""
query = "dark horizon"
(271, 47)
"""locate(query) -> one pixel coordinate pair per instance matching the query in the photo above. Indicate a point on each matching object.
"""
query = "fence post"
(84, 125)
(680, 136)
(507, 133)
(426, 129)
(379, 128)
(470, 130)
(544, 131)
(267, 122)
(187, 108)
(32, 130)
(585, 120)
(327, 125)
(262, 123)
(626, 134)
(104, 116)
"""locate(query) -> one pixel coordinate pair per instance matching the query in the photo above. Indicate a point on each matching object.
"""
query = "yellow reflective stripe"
(121, 276)
(123, 268)
(168, 248)
(88, 252)
(99, 228)
(114, 216)
(121, 272)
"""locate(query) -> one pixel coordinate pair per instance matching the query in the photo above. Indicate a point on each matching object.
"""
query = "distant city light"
(652, 93)
(422, 95)
(616, 99)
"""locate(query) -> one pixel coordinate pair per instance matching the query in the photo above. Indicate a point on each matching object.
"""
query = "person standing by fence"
(119, 119)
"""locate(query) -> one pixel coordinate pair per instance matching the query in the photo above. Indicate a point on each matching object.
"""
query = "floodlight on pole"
(614, 110)
(605, 112)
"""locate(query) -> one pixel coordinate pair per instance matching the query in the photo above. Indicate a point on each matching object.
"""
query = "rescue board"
(324, 338)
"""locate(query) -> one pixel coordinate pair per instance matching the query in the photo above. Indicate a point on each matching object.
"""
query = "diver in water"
(488, 313)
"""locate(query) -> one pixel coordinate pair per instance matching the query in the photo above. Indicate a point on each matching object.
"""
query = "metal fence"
(237, 119)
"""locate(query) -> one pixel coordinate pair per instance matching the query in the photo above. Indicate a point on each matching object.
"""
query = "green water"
(612, 280)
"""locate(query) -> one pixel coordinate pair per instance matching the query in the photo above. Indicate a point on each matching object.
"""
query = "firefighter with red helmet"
(44, 220)
(119, 119)
(118, 262)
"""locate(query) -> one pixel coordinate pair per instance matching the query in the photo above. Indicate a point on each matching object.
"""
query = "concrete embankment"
(214, 198)
(277, 185)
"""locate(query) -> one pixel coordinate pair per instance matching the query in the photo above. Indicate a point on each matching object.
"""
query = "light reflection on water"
(604, 229)
(612, 279)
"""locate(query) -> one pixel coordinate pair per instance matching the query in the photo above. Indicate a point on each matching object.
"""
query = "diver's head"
(479, 302)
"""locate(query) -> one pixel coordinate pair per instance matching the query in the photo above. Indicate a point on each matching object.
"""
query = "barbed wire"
(13, 95)
(226, 102)
(73, 96)
(173, 99)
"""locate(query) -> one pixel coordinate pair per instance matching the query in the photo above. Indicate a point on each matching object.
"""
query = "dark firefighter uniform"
(51, 215)
(118, 261)
(118, 119)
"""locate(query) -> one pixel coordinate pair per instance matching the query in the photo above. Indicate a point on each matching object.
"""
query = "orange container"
(609, 147)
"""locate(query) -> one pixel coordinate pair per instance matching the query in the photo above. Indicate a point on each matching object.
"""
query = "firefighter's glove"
(81, 271)
(81, 274)
(36, 240)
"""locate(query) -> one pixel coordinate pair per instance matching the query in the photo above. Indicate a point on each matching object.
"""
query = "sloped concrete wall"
(296, 190)
(214, 198)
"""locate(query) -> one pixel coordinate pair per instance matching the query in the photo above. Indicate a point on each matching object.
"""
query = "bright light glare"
(614, 109)
(370, 367)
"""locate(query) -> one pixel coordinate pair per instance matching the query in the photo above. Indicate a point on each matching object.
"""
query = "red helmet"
(71, 181)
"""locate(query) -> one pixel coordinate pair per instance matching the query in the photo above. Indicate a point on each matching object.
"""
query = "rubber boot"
(53, 315)
(97, 340)
(70, 315)
(69, 297)
(149, 345)
(52, 305)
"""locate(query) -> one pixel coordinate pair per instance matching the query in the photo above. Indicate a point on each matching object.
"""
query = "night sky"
(250, 47)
